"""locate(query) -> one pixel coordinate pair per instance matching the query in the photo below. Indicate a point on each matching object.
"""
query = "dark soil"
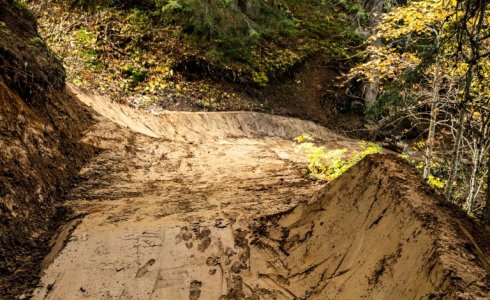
(39, 127)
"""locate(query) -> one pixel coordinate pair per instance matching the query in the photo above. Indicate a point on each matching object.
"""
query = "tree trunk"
(453, 167)
(371, 88)
(433, 121)
(430, 140)
(487, 207)
(470, 200)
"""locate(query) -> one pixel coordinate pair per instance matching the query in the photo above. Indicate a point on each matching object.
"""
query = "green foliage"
(305, 138)
(438, 169)
(139, 20)
(287, 27)
(170, 6)
(92, 5)
(85, 37)
(355, 8)
(328, 165)
(260, 78)
(24, 8)
(387, 103)
(3, 28)
(232, 29)
(21, 4)
(87, 43)
(254, 44)
(435, 182)
(93, 59)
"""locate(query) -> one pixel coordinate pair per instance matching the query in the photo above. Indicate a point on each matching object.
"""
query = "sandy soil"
(377, 232)
(166, 193)
(212, 206)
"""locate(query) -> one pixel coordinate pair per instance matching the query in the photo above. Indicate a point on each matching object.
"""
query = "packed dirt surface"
(156, 176)
(213, 206)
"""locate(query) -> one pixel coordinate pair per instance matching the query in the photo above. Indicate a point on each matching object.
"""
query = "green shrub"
(330, 164)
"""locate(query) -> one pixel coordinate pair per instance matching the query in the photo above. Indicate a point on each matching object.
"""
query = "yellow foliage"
(330, 164)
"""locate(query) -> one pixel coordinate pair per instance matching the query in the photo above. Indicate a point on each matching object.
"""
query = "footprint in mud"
(213, 261)
(240, 238)
(204, 236)
(144, 269)
(220, 223)
(185, 235)
(195, 290)
(189, 235)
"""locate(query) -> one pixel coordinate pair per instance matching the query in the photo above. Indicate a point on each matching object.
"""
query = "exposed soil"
(377, 233)
(158, 173)
(103, 201)
(40, 125)
(211, 206)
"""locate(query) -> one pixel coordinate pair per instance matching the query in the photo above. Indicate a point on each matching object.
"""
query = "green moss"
(133, 76)
(85, 37)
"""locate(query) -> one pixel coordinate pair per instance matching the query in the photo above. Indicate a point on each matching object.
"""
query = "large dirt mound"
(375, 233)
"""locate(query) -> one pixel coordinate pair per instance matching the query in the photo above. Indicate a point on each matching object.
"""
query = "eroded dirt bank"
(212, 206)
(40, 125)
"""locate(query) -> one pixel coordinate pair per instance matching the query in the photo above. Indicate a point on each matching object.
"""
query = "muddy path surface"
(193, 206)
(164, 210)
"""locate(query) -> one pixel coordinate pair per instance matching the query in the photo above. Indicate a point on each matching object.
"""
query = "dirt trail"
(165, 193)
(212, 206)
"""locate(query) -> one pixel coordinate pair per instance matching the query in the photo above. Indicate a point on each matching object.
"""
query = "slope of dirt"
(375, 233)
(312, 92)
(39, 126)
(191, 206)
